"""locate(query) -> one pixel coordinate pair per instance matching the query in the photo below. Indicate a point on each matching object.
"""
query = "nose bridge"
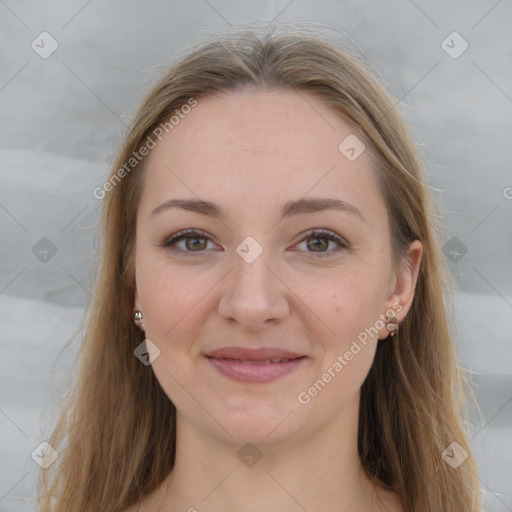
(253, 293)
(252, 271)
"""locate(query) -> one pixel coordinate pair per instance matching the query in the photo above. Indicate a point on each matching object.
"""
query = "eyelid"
(311, 233)
(327, 234)
(184, 234)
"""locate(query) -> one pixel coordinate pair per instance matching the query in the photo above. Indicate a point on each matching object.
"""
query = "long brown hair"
(116, 431)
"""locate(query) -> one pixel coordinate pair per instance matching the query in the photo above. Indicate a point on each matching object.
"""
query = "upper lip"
(248, 354)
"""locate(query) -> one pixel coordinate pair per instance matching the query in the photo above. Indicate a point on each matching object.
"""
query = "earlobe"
(137, 312)
(401, 298)
(138, 320)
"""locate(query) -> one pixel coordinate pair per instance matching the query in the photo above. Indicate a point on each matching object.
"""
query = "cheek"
(354, 305)
(348, 355)
(172, 307)
(354, 301)
(169, 297)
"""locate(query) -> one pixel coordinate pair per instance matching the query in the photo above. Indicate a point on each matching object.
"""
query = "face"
(293, 255)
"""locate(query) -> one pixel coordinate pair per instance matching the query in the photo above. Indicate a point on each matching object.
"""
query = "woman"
(269, 330)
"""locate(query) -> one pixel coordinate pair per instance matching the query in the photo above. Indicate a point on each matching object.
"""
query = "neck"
(317, 470)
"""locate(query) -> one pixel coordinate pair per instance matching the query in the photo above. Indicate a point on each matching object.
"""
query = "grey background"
(62, 119)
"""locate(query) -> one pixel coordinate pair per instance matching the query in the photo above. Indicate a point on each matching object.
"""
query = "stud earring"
(137, 319)
(391, 324)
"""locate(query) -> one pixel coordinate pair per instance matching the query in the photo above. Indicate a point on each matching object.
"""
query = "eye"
(193, 242)
(318, 240)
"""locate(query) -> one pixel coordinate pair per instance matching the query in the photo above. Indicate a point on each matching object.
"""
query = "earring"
(137, 319)
(391, 325)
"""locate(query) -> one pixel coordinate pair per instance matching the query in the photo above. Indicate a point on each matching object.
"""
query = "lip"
(254, 365)
(253, 354)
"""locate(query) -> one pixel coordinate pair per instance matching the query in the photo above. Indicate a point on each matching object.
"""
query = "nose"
(254, 296)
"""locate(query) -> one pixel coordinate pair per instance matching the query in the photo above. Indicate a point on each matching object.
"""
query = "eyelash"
(197, 233)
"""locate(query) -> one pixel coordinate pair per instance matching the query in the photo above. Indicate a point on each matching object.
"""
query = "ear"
(403, 285)
(136, 301)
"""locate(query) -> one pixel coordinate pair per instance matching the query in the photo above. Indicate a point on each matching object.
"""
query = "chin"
(260, 423)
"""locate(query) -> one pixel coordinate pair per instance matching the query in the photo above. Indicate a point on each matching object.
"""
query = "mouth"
(256, 367)
(253, 361)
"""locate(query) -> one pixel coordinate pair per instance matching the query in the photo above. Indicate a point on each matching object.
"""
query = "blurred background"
(72, 74)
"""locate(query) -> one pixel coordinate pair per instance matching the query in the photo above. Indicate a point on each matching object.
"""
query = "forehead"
(259, 145)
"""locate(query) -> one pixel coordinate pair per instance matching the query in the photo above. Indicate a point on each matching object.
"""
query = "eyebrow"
(291, 208)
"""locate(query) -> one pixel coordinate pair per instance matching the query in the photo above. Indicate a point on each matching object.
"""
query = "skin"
(250, 152)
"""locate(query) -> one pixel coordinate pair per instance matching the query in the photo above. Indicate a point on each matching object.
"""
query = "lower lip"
(255, 372)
